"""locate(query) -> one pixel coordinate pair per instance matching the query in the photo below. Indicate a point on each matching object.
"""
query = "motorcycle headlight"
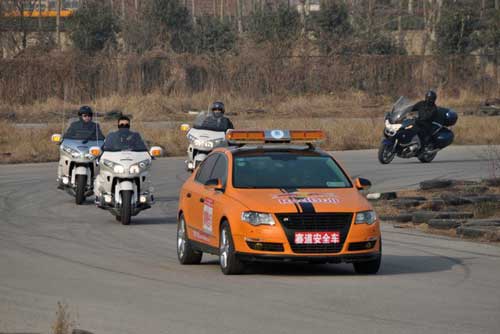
(118, 169)
(366, 217)
(144, 164)
(108, 163)
(134, 169)
(257, 218)
(74, 153)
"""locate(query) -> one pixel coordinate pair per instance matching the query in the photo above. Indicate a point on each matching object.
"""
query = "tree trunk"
(483, 8)
(193, 10)
(39, 16)
(497, 4)
(123, 10)
(238, 15)
(400, 25)
(410, 7)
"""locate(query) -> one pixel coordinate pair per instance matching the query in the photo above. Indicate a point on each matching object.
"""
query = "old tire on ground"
(369, 267)
(185, 252)
(385, 154)
(427, 157)
(126, 209)
(81, 183)
(229, 263)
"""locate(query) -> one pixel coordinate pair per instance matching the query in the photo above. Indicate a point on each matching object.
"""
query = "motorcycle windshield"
(124, 140)
(206, 120)
(81, 145)
(400, 110)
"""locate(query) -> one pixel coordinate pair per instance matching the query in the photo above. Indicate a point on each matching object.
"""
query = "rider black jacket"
(81, 130)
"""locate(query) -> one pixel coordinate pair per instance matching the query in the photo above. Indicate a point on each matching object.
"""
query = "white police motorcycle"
(202, 140)
(77, 166)
(123, 185)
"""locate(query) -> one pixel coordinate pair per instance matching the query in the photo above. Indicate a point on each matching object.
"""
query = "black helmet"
(218, 106)
(430, 97)
(85, 110)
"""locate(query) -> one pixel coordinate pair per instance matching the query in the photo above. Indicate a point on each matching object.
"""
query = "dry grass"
(157, 106)
(33, 144)
(63, 323)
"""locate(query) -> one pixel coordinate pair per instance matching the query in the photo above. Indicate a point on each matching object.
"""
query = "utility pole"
(39, 16)
(123, 10)
(58, 24)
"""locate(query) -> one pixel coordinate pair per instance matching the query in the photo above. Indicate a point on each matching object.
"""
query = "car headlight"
(257, 218)
(366, 217)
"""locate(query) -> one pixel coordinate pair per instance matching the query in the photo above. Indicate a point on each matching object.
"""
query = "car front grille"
(315, 222)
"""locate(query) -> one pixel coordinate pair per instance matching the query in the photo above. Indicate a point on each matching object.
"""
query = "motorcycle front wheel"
(81, 183)
(385, 154)
(126, 210)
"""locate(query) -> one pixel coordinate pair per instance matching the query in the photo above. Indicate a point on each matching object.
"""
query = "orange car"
(275, 196)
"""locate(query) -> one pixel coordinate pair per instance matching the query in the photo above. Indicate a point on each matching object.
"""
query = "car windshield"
(287, 170)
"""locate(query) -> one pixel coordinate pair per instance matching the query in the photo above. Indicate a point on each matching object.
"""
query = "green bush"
(211, 35)
(93, 26)
(279, 26)
(456, 32)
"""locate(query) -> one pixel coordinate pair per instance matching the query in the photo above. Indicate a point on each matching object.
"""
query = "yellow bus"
(37, 8)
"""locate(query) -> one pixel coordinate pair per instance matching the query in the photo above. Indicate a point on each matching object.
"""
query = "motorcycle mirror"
(56, 138)
(362, 184)
(215, 184)
(185, 127)
(156, 151)
(95, 151)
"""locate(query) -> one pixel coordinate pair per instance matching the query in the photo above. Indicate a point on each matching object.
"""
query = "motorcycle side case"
(443, 138)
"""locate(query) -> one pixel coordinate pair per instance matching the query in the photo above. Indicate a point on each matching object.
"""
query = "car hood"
(300, 200)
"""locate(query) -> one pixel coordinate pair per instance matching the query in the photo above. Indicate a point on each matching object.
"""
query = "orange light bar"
(307, 135)
(246, 135)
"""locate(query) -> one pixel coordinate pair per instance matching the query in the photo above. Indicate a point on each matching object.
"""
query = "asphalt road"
(126, 279)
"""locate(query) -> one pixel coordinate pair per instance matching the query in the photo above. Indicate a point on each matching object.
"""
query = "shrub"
(93, 26)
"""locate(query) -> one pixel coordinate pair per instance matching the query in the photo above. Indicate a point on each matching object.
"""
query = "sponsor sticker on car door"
(208, 213)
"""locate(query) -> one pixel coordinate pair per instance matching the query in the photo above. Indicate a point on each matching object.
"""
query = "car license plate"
(311, 238)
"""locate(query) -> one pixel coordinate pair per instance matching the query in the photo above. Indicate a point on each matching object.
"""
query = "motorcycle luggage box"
(443, 138)
(447, 117)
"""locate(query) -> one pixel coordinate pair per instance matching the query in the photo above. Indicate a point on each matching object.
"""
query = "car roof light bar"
(274, 136)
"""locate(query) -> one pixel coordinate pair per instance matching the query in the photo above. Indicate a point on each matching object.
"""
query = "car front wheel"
(185, 252)
(229, 263)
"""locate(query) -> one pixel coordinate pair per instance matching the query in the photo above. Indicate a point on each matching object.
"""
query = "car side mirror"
(56, 138)
(362, 184)
(215, 184)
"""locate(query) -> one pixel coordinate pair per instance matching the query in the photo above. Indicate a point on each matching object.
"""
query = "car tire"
(229, 263)
(126, 209)
(185, 252)
(369, 267)
(81, 183)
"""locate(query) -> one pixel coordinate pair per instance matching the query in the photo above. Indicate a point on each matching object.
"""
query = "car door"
(214, 201)
(196, 198)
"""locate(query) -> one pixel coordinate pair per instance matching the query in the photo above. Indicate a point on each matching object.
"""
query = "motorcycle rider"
(124, 139)
(84, 129)
(427, 113)
(215, 120)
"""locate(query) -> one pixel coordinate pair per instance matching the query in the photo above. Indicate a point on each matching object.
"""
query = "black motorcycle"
(401, 138)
